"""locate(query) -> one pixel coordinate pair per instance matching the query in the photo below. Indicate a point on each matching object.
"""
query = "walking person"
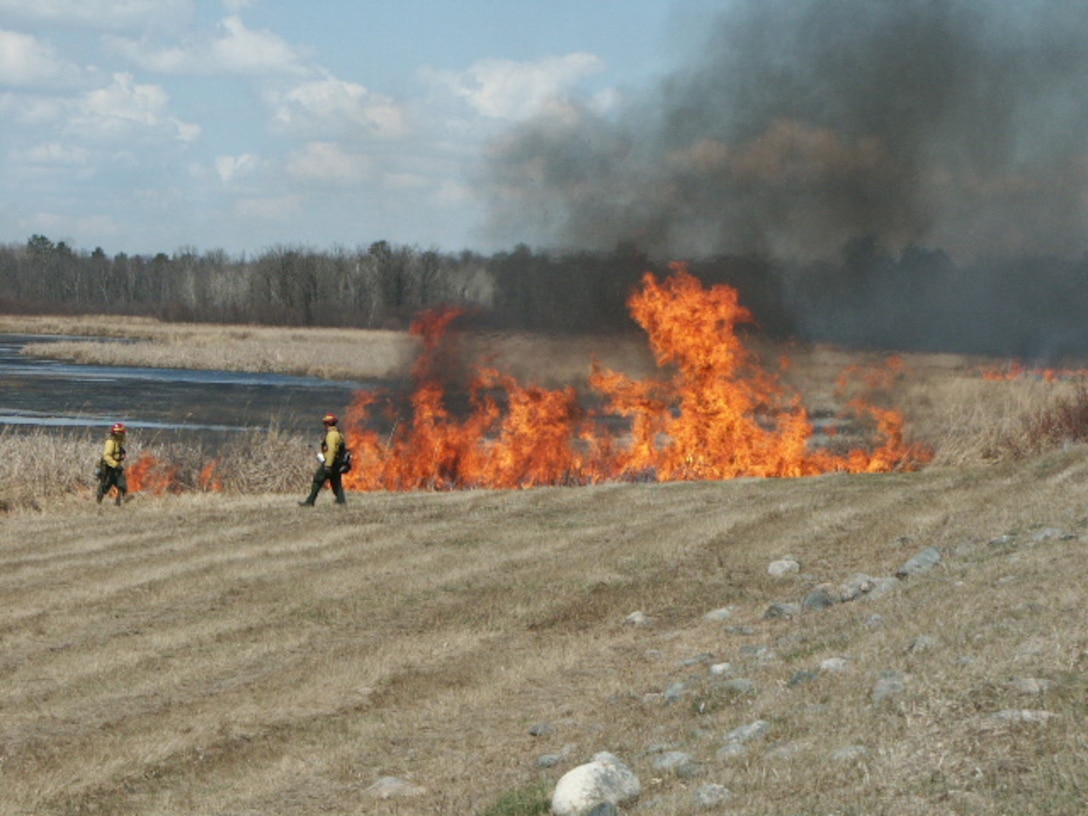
(112, 467)
(331, 460)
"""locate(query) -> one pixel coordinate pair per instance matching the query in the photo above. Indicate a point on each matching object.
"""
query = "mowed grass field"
(231, 653)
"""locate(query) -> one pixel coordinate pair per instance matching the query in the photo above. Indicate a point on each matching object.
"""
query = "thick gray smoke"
(801, 125)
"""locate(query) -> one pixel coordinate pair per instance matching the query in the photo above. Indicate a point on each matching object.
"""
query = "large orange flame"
(149, 474)
(717, 415)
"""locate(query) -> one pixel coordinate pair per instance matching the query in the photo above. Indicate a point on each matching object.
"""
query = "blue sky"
(154, 125)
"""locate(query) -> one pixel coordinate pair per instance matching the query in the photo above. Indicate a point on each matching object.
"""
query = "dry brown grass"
(232, 654)
(236, 655)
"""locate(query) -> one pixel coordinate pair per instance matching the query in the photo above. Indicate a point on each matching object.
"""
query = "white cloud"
(235, 49)
(25, 61)
(228, 168)
(53, 153)
(253, 52)
(331, 104)
(325, 162)
(505, 89)
(125, 108)
(100, 14)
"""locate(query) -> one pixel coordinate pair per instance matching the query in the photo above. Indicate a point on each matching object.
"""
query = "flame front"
(718, 415)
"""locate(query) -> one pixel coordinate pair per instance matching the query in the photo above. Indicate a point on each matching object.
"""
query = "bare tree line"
(913, 299)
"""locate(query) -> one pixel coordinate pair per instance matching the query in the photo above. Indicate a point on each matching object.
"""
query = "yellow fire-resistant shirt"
(333, 445)
(113, 454)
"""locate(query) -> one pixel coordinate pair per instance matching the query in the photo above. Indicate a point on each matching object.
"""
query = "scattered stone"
(391, 787)
(783, 567)
(740, 686)
(747, 733)
(698, 660)
(922, 643)
(731, 750)
(820, 598)
(857, 585)
(723, 614)
(782, 610)
(850, 753)
(1051, 534)
(605, 779)
(1030, 685)
(924, 561)
(874, 621)
(719, 669)
(740, 630)
(1024, 715)
(834, 664)
(638, 619)
(675, 692)
(891, 684)
(548, 760)
(677, 763)
(542, 729)
(708, 796)
(801, 676)
(604, 809)
(761, 653)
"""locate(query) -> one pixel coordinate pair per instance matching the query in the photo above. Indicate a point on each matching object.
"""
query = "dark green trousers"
(113, 477)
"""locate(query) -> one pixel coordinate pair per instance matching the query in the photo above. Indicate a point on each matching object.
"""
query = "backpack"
(345, 461)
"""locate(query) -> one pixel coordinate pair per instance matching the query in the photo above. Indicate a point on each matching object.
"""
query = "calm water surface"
(49, 393)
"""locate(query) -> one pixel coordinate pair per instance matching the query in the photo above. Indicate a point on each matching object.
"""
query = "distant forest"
(915, 299)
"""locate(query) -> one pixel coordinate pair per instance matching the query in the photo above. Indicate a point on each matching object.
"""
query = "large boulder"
(604, 779)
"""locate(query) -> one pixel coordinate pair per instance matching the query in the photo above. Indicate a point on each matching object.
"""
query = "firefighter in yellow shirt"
(331, 458)
(112, 467)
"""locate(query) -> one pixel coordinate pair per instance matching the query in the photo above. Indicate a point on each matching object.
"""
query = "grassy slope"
(238, 655)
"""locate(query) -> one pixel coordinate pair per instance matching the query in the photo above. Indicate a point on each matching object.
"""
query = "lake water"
(44, 393)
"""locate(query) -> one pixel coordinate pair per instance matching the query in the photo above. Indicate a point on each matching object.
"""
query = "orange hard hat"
(330, 419)
(118, 428)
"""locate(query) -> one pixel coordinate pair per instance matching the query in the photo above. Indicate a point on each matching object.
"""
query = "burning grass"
(704, 407)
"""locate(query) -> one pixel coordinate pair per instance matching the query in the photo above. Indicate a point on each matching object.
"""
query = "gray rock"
(782, 610)
(605, 779)
(800, 677)
(739, 685)
(924, 561)
(638, 619)
(708, 796)
(747, 733)
(723, 614)
(541, 729)
(678, 763)
(782, 567)
(1030, 685)
(391, 787)
(834, 664)
(922, 643)
(850, 753)
(1024, 715)
(820, 598)
(1051, 534)
(891, 684)
(855, 586)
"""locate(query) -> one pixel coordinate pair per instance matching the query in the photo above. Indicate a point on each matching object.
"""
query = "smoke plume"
(802, 125)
